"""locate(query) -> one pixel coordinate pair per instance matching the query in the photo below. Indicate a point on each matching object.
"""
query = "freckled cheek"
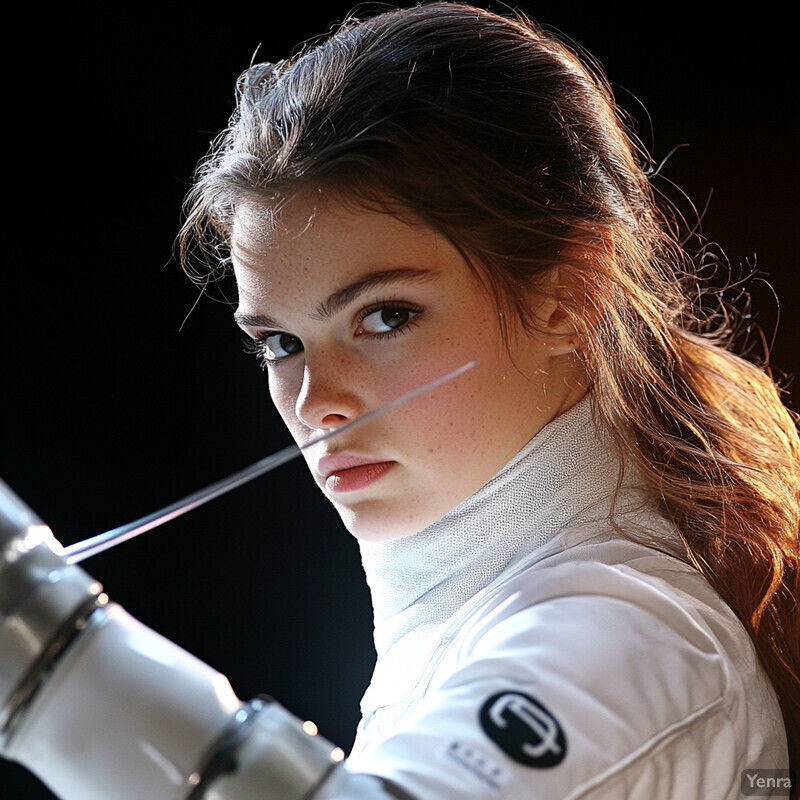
(421, 363)
(444, 421)
(284, 397)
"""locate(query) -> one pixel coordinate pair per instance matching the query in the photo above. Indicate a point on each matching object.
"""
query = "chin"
(377, 525)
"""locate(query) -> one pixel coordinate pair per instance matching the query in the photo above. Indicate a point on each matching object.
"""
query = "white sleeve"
(583, 696)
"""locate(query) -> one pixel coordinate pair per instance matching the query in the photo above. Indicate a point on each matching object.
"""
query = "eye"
(386, 319)
(274, 346)
(280, 345)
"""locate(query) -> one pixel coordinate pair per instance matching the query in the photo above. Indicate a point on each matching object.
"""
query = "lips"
(350, 472)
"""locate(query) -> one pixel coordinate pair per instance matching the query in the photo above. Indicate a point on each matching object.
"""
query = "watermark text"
(767, 783)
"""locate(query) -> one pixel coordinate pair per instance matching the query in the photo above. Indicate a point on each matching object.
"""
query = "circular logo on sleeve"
(523, 729)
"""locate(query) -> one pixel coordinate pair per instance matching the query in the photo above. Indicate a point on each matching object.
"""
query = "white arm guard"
(99, 706)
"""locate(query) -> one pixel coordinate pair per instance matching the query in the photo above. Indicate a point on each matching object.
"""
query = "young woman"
(583, 553)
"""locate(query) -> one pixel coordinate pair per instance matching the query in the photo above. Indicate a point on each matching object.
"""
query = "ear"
(553, 304)
(566, 308)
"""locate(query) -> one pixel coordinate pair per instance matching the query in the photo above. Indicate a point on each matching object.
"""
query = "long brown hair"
(502, 138)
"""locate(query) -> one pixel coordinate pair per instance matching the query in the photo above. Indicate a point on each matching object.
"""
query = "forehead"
(313, 235)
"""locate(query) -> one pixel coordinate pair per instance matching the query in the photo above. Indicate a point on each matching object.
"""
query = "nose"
(328, 397)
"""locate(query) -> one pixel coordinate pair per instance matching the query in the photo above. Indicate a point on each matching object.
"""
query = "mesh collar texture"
(566, 475)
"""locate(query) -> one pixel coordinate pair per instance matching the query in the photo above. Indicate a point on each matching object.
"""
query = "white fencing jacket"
(527, 650)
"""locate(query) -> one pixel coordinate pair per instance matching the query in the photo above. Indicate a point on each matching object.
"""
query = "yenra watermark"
(767, 783)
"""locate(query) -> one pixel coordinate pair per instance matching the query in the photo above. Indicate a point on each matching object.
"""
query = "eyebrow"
(341, 298)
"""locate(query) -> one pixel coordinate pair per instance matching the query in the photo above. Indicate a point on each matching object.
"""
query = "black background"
(115, 403)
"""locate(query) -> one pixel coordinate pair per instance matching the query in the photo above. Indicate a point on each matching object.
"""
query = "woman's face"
(351, 308)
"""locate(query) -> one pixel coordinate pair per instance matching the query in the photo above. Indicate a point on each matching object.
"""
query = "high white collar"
(566, 475)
